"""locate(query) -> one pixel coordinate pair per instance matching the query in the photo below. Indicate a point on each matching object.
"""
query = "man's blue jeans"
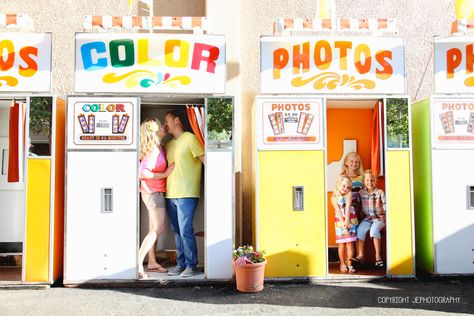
(181, 213)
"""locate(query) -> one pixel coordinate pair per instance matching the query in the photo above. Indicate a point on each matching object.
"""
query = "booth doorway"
(155, 107)
(26, 125)
(12, 188)
(354, 125)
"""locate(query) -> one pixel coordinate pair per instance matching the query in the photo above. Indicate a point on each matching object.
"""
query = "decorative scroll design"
(332, 80)
(8, 80)
(146, 79)
(469, 82)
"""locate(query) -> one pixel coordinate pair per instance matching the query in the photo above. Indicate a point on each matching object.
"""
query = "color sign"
(25, 62)
(150, 63)
(105, 122)
(289, 122)
(359, 65)
(453, 123)
(454, 64)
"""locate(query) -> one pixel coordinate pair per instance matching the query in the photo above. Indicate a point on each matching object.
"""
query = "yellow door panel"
(294, 241)
(399, 216)
(38, 220)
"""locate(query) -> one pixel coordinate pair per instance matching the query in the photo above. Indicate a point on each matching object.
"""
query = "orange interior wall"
(346, 124)
(59, 155)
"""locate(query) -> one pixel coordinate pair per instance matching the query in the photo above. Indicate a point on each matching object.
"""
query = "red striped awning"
(367, 25)
(16, 21)
(107, 22)
(462, 26)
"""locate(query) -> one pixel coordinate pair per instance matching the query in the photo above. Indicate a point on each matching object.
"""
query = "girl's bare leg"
(360, 250)
(152, 255)
(342, 254)
(378, 249)
(156, 219)
(350, 252)
(157, 225)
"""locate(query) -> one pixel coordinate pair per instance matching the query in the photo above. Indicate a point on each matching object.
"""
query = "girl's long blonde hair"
(149, 139)
(339, 181)
(345, 170)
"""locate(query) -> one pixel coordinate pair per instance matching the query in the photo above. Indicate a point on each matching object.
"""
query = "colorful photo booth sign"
(359, 65)
(453, 123)
(150, 63)
(290, 123)
(454, 64)
(102, 123)
(25, 62)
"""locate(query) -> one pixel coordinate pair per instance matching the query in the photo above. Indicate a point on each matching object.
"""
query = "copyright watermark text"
(418, 300)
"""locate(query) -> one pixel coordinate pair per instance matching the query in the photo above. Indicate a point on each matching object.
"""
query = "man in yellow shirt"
(183, 187)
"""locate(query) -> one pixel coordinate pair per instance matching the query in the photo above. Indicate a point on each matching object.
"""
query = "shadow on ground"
(453, 296)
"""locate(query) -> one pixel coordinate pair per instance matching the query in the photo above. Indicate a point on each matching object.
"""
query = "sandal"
(379, 264)
(357, 261)
(351, 269)
(159, 269)
(343, 268)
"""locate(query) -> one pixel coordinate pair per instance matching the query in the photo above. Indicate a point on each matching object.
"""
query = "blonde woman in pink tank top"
(152, 172)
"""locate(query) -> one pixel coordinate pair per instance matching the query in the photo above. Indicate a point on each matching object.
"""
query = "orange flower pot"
(249, 278)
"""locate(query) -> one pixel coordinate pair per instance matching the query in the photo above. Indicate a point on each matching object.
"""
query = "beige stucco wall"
(175, 8)
(65, 17)
(418, 21)
(224, 18)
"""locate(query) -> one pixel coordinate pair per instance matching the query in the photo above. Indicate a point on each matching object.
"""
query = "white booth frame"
(213, 269)
(52, 157)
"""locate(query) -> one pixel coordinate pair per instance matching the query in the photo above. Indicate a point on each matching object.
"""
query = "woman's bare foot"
(156, 268)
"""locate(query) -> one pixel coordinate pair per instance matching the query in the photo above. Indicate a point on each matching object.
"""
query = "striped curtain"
(196, 120)
(16, 142)
(377, 146)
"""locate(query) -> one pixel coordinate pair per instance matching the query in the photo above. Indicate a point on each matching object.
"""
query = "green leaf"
(41, 115)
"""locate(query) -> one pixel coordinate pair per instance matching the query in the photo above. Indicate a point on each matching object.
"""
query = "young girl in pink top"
(153, 172)
(345, 222)
(352, 168)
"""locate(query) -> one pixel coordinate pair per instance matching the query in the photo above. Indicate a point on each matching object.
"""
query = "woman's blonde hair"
(339, 181)
(345, 170)
(149, 139)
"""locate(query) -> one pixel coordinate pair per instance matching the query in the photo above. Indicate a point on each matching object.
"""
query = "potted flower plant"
(249, 267)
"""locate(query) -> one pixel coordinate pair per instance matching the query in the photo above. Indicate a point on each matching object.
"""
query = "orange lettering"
(453, 60)
(325, 63)
(383, 58)
(343, 46)
(469, 59)
(362, 68)
(301, 58)
(31, 65)
(8, 63)
(280, 60)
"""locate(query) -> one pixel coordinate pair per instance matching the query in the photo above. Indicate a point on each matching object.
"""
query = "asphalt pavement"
(407, 297)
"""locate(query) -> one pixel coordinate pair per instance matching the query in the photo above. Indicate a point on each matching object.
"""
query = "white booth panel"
(12, 216)
(101, 245)
(453, 222)
(219, 215)
(12, 194)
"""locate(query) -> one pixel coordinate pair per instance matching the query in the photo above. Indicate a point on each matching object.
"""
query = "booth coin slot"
(4, 161)
(470, 197)
(298, 198)
(107, 197)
